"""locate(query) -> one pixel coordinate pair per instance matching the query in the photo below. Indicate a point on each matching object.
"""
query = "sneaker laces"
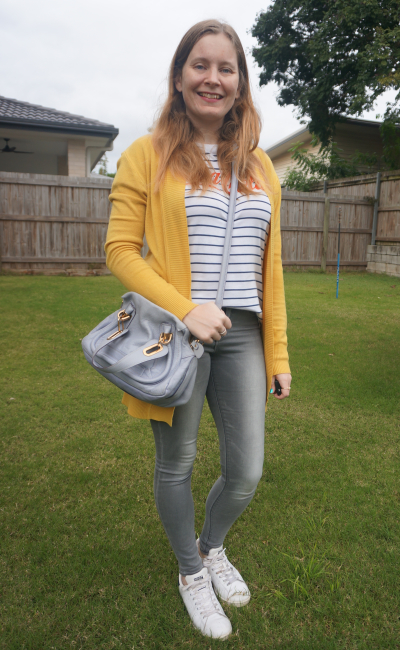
(224, 567)
(204, 598)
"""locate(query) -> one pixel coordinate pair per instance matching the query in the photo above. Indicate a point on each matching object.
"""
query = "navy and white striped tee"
(206, 218)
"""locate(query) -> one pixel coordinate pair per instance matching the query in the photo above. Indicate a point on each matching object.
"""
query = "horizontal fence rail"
(310, 224)
(51, 224)
(388, 200)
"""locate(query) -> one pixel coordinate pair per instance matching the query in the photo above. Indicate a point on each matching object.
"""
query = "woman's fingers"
(285, 379)
(207, 322)
(227, 323)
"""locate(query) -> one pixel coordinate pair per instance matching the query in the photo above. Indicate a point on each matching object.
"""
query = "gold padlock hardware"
(122, 317)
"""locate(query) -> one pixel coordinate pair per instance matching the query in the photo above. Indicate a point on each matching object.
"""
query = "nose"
(213, 76)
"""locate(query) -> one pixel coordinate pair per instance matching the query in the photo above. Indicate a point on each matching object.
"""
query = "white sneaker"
(203, 607)
(227, 581)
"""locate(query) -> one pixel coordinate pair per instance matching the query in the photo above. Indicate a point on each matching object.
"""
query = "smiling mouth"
(210, 95)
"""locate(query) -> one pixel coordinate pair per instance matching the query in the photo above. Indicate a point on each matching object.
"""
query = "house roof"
(289, 138)
(31, 116)
(279, 147)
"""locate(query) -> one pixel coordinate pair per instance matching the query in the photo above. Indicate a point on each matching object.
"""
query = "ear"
(178, 83)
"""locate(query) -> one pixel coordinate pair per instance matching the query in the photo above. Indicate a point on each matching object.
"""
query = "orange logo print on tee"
(216, 180)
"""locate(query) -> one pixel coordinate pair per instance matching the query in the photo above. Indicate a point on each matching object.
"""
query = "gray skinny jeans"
(231, 373)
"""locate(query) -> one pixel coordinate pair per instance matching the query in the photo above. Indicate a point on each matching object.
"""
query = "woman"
(173, 185)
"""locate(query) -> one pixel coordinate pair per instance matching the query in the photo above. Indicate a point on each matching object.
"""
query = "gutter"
(109, 147)
(109, 131)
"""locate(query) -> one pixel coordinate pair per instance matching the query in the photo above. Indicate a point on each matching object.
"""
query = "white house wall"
(284, 163)
(55, 154)
(365, 139)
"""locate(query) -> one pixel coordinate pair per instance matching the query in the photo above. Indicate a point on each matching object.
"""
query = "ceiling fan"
(8, 149)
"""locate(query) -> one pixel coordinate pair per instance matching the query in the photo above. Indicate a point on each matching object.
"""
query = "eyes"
(224, 70)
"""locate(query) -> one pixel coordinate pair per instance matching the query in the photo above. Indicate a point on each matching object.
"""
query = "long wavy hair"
(174, 136)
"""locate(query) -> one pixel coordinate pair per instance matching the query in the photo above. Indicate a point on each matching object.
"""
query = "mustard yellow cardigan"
(164, 276)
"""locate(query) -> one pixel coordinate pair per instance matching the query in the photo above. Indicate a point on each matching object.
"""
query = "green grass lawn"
(84, 560)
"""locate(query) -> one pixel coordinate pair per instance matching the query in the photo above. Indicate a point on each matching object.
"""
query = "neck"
(209, 132)
(210, 137)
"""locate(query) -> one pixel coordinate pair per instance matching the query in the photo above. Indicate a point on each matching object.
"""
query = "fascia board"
(69, 129)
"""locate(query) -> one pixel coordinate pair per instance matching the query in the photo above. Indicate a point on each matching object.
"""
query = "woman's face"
(209, 82)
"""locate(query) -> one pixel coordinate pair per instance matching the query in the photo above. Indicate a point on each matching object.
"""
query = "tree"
(391, 138)
(332, 58)
(103, 163)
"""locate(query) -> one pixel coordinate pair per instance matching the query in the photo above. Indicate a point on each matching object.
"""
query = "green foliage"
(103, 165)
(390, 134)
(327, 164)
(331, 58)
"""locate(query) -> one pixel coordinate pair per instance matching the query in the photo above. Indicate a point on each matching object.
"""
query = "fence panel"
(53, 223)
(302, 225)
(388, 227)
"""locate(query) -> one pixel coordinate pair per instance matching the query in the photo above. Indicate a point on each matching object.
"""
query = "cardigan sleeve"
(129, 198)
(281, 357)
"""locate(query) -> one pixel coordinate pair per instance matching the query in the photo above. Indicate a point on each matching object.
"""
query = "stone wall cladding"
(384, 259)
(76, 158)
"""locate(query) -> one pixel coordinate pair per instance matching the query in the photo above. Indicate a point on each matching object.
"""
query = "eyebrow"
(203, 58)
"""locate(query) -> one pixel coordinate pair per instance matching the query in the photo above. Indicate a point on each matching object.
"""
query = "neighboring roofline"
(356, 120)
(304, 130)
(280, 143)
(73, 129)
(78, 119)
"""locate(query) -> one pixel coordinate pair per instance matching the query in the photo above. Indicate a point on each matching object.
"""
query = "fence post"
(326, 229)
(376, 206)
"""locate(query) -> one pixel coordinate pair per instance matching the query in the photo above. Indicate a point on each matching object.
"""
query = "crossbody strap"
(228, 239)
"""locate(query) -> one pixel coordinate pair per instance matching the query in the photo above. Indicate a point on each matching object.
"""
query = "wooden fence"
(387, 194)
(52, 224)
(309, 225)
(58, 224)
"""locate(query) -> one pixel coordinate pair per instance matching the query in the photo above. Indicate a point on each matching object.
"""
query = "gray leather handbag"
(145, 350)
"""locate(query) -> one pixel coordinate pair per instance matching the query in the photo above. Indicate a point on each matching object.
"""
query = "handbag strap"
(228, 239)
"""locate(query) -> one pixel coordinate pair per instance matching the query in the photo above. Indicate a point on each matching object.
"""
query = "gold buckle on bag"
(153, 349)
(122, 317)
(194, 343)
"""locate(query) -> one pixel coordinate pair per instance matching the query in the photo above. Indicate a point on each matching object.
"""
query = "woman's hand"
(285, 379)
(207, 322)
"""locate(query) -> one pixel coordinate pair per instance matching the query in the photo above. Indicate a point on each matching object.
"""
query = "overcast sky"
(108, 60)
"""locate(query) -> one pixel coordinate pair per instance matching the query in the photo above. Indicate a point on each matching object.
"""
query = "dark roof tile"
(16, 109)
